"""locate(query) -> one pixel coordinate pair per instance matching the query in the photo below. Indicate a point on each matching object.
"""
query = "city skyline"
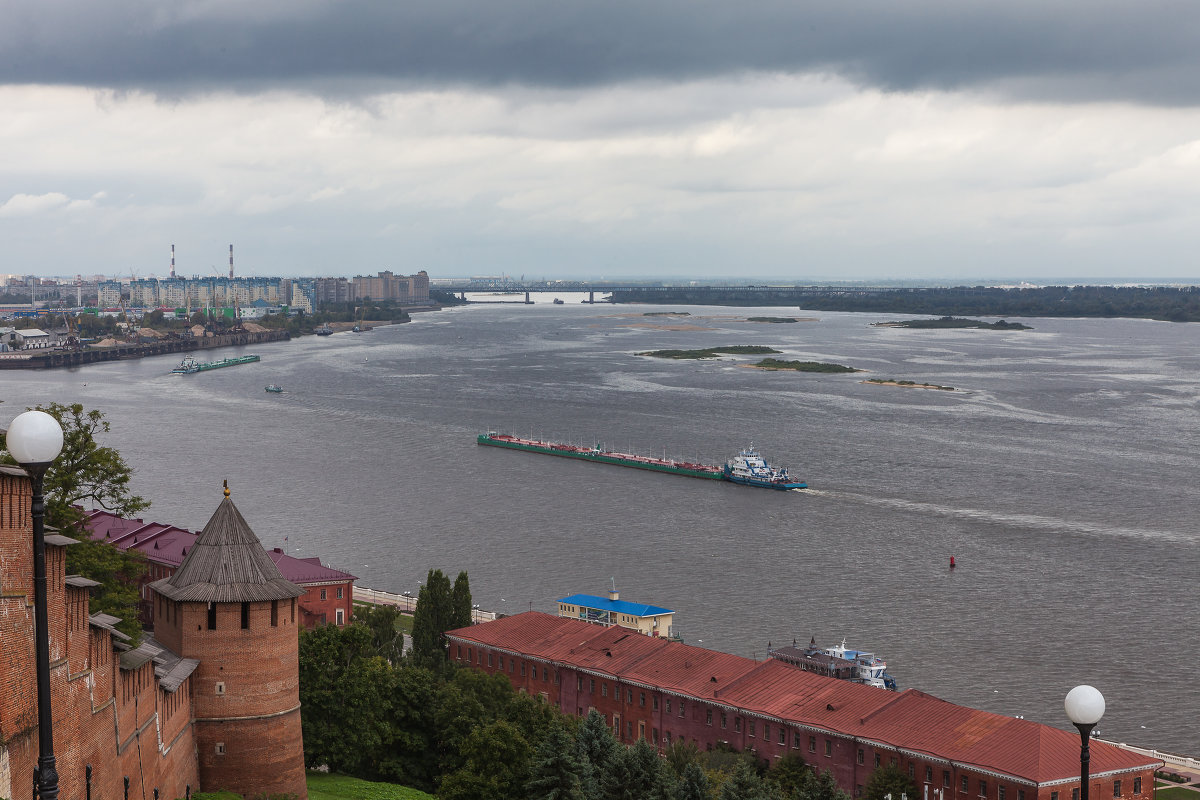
(789, 141)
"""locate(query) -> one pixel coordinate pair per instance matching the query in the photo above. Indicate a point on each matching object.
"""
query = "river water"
(1062, 478)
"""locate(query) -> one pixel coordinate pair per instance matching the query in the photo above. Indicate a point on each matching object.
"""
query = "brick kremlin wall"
(118, 721)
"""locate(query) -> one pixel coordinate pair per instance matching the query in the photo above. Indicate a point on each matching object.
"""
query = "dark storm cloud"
(1145, 52)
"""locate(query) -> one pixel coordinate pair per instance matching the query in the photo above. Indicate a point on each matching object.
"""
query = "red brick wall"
(111, 720)
(246, 696)
(655, 714)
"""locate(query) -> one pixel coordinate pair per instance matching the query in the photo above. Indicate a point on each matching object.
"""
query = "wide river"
(1063, 476)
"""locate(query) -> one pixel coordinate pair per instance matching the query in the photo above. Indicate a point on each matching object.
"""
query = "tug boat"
(750, 469)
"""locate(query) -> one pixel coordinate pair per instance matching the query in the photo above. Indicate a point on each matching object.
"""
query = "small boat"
(275, 388)
(750, 469)
(558, 302)
(324, 330)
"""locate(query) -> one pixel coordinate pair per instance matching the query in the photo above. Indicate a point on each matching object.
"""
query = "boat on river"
(750, 469)
(856, 666)
(274, 388)
(190, 365)
(600, 454)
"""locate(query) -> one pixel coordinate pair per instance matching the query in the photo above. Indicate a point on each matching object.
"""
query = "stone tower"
(229, 607)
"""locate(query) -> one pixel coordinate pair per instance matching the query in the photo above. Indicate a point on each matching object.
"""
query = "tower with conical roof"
(229, 607)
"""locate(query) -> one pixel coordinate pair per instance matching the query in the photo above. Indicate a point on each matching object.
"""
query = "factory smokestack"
(231, 262)
(172, 262)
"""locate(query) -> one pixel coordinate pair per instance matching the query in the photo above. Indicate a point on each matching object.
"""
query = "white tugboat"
(750, 469)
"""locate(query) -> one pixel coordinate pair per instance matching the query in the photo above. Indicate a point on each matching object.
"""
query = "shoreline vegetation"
(953, 322)
(775, 365)
(908, 384)
(712, 352)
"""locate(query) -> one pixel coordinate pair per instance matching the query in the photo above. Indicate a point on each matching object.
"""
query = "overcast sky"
(869, 140)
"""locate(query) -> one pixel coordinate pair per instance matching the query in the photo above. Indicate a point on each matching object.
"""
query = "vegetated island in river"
(802, 366)
(713, 352)
(954, 322)
(908, 384)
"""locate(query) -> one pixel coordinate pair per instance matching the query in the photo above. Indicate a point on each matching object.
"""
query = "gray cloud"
(1098, 50)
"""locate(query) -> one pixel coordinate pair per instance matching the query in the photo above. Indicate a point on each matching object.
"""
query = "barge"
(603, 456)
(190, 365)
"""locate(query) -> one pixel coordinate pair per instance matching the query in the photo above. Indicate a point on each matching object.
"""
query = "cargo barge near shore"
(599, 454)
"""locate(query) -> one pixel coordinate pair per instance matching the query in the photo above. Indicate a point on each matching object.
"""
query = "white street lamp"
(1084, 706)
(35, 439)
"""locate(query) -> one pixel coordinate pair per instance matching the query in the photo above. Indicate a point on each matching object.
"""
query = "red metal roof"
(167, 545)
(910, 720)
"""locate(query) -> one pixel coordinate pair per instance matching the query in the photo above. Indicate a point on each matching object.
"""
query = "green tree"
(823, 787)
(497, 766)
(790, 775)
(88, 471)
(889, 779)
(346, 693)
(680, 753)
(432, 617)
(597, 749)
(381, 620)
(555, 772)
(410, 757)
(745, 784)
(460, 600)
(694, 784)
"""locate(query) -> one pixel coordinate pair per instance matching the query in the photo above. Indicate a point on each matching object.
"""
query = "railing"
(1186, 762)
(408, 603)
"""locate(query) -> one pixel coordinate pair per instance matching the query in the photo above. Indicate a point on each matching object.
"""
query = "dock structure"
(407, 603)
(72, 357)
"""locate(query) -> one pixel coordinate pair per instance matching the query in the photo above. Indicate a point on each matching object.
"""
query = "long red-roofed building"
(668, 692)
(328, 595)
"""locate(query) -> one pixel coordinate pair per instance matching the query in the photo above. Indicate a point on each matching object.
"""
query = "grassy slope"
(340, 787)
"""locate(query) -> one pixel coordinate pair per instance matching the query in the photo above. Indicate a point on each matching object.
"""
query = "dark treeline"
(421, 721)
(1175, 304)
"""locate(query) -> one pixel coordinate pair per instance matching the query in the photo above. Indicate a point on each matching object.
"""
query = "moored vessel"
(857, 666)
(324, 330)
(274, 388)
(750, 469)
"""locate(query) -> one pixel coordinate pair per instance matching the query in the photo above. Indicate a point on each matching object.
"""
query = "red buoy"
(951, 562)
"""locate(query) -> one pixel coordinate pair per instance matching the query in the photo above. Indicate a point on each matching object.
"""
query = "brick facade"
(603, 669)
(119, 721)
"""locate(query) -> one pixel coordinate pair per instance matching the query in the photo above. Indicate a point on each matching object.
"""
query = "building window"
(545, 674)
(750, 727)
(724, 721)
(1074, 794)
(946, 780)
(796, 740)
(681, 708)
(522, 669)
(912, 771)
(877, 761)
(489, 659)
(212, 616)
(656, 709)
(629, 696)
(829, 748)
(963, 787)
(929, 776)
(512, 663)
(983, 788)
(274, 613)
(339, 594)
(220, 748)
(1116, 789)
(642, 699)
(1137, 787)
(324, 594)
(708, 716)
(1054, 796)
(592, 685)
(860, 755)
(340, 616)
(782, 735)
(1000, 792)
(767, 732)
(737, 724)
(1020, 794)
(578, 684)
(812, 744)
(604, 693)
(668, 705)
(654, 733)
(629, 729)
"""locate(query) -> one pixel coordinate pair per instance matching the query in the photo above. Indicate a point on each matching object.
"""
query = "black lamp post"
(35, 439)
(1085, 707)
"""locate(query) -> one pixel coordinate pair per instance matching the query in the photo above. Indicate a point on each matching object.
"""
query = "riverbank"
(67, 357)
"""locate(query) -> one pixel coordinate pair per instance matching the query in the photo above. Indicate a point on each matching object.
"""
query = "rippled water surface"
(1062, 477)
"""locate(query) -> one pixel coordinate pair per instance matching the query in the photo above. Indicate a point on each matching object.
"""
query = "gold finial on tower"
(226, 484)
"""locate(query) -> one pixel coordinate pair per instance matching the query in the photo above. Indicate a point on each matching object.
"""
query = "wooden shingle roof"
(227, 564)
